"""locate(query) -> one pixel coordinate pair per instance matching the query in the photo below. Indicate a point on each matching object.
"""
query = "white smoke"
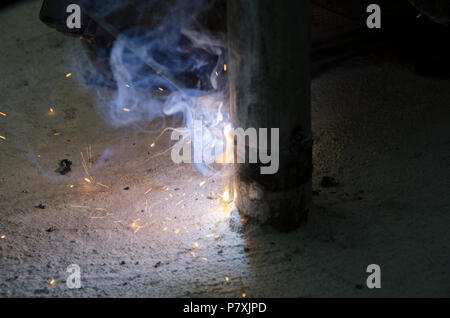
(173, 68)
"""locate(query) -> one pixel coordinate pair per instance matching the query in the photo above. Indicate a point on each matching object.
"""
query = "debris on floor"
(40, 206)
(64, 167)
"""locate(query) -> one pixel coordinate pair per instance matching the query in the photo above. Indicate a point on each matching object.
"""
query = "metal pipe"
(269, 73)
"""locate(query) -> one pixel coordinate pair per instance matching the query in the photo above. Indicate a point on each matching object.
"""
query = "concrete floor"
(380, 130)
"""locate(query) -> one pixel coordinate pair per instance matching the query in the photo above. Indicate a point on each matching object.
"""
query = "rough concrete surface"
(381, 131)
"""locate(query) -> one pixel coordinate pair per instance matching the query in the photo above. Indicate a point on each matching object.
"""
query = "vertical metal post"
(269, 72)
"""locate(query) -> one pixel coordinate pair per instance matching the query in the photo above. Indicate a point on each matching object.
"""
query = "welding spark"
(84, 163)
(3, 137)
(202, 183)
(79, 207)
(227, 278)
(102, 185)
(136, 226)
(224, 67)
(99, 217)
(3, 114)
(52, 111)
(244, 295)
(160, 135)
(146, 192)
(52, 282)
(226, 195)
(126, 110)
(68, 75)
(3, 237)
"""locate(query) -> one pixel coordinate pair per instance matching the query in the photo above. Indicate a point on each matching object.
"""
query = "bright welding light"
(226, 195)
(227, 133)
